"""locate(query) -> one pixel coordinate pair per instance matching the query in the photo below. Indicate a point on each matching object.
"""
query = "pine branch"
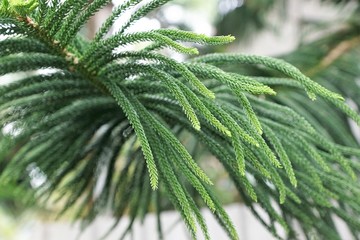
(101, 109)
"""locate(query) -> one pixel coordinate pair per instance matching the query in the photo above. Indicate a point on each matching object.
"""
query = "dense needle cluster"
(91, 103)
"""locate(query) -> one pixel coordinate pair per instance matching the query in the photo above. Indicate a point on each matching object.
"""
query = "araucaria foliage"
(96, 102)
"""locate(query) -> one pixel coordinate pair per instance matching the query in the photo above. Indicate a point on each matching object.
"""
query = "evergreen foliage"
(253, 16)
(100, 111)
